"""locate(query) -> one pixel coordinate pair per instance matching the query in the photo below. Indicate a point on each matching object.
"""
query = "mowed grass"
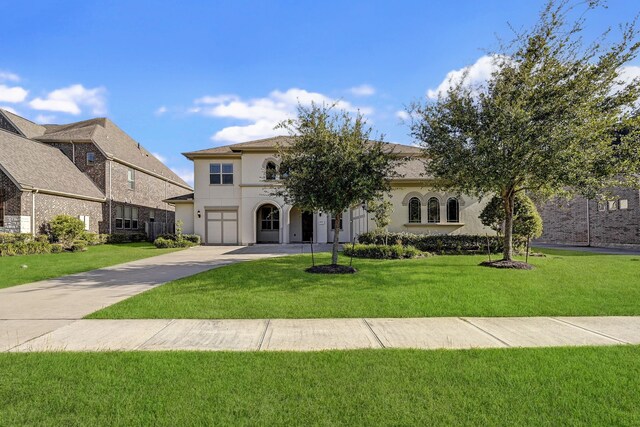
(48, 266)
(563, 283)
(560, 386)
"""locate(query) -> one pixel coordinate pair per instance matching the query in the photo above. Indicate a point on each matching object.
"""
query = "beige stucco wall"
(250, 191)
(184, 213)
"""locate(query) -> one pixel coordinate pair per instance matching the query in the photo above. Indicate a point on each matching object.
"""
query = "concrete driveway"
(31, 310)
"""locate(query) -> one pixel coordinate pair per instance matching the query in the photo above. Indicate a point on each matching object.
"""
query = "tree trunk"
(508, 203)
(336, 238)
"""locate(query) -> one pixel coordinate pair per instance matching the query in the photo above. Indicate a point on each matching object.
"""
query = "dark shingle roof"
(37, 166)
(114, 142)
(183, 198)
(28, 128)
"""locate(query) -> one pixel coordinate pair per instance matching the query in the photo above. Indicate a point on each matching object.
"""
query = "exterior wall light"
(199, 214)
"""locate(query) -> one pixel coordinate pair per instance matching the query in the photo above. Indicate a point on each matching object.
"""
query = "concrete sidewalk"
(30, 310)
(335, 334)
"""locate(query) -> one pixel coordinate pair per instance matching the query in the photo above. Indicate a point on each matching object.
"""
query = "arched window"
(415, 214)
(270, 171)
(453, 210)
(433, 210)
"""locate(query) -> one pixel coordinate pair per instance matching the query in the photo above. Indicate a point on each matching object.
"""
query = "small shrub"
(382, 251)
(193, 238)
(92, 239)
(162, 243)
(65, 229)
(125, 237)
(78, 246)
(57, 248)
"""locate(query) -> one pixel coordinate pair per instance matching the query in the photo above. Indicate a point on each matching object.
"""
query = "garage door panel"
(222, 227)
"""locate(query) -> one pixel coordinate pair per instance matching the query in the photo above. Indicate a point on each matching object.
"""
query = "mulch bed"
(331, 269)
(516, 265)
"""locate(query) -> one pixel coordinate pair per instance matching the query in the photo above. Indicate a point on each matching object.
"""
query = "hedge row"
(440, 244)
(382, 251)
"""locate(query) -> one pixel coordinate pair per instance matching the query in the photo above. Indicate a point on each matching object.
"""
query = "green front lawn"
(560, 386)
(48, 266)
(563, 283)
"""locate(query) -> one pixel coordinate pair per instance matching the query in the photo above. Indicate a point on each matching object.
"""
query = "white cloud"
(627, 74)
(185, 173)
(6, 76)
(476, 74)
(12, 94)
(161, 110)
(363, 90)
(160, 157)
(45, 118)
(263, 114)
(72, 99)
(403, 115)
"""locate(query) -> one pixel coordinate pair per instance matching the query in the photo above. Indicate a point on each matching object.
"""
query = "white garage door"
(222, 227)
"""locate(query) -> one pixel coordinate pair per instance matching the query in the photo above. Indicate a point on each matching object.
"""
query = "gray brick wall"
(48, 206)
(565, 222)
(78, 152)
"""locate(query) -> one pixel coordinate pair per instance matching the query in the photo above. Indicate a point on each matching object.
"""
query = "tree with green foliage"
(332, 164)
(547, 121)
(381, 211)
(527, 223)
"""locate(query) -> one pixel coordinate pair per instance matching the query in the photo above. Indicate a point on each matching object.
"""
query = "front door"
(307, 226)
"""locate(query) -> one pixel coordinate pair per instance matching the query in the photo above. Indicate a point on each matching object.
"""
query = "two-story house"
(91, 169)
(232, 203)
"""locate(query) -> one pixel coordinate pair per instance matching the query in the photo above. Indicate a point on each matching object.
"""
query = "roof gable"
(36, 166)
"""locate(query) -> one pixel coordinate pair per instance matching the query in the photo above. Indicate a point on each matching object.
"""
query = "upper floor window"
(415, 210)
(152, 215)
(613, 205)
(453, 210)
(131, 179)
(91, 158)
(221, 173)
(433, 210)
(271, 171)
(623, 204)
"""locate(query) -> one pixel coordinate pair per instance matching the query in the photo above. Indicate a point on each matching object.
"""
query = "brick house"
(607, 223)
(91, 170)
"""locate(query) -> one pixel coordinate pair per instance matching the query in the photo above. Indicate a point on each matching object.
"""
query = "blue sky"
(181, 76)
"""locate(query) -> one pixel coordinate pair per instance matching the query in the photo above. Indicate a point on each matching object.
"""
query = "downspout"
(33, 212)
(588, 225)
(110, 198)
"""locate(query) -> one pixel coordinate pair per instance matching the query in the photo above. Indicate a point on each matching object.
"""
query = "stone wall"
(565, 222)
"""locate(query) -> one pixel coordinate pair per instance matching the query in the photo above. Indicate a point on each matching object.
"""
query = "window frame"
(91, 158)
(418, 218)
(270, 221)
(131, 179)
(270, 171)
(120, 217)
(221, 175)
(431, 220)
(333, 223)
(626, 204)
(612, 205)
(457, 210)
(152, 215)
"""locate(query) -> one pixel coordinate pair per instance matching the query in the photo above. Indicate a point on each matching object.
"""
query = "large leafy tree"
(546, 120)
(332, 164)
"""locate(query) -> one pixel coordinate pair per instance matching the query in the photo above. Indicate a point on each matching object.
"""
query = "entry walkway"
(30, 310)
(335, 334)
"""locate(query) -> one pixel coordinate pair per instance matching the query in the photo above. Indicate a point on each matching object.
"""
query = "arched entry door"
(268, 224)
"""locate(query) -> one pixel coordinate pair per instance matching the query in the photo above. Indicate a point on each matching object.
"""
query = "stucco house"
(91, 170)
(231, 203)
